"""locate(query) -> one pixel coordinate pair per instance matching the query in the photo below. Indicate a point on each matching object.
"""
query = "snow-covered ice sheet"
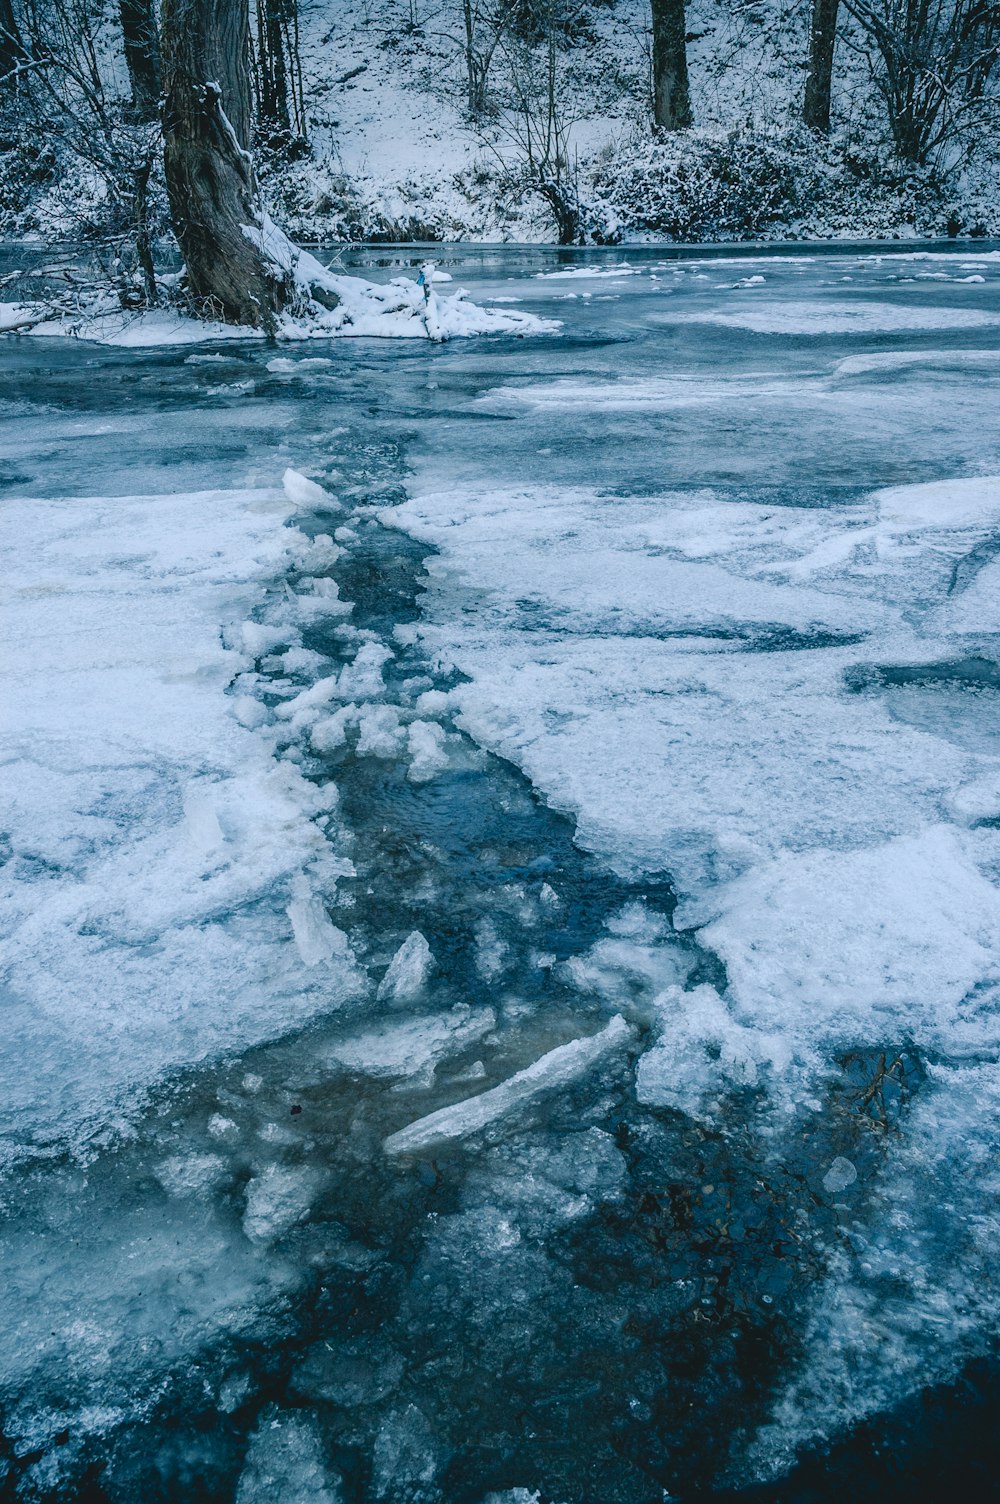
(819, 317)
(697, 682)
(634, 394)
(157, 850)
(794, 712)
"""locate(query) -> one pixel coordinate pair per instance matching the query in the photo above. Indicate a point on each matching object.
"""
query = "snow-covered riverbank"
(405, 308)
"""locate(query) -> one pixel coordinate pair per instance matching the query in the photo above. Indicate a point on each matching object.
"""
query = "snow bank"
(163, 900)
(350, 307)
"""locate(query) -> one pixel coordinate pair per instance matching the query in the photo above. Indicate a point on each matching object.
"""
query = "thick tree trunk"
(671, 96)
(214, 204)
(819, 79)
(142, 56)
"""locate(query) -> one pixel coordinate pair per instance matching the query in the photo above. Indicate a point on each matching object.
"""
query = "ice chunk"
(412, 1047)
(278, 1198)
(408, 971)
(404, 1462)
(259, 638)
(379, 731)
(248, 711)
(635, 921)
(559, 1068)
(611, 964)
(302, 661)
(348, 1372)
(827, 945)
(305, 492)
(190, 1174)
(492, 953)
(311, 699)
(316, 937)
(427, 750)
(840, 1175)
(701, 1047)
(285, 1462)
(546, 1185)
(282, 366)
(433, 702)
(820, 317)
(363, 679)
(328, 734)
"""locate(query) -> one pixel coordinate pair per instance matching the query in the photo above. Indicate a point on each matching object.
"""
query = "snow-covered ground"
(404, 308)
(369, 1093)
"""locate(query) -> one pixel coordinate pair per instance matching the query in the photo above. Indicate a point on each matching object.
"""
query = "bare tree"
(819, 79)
(932, 61)
(671, 95)
(142, 56)
(214, 202)
(535, 123)
(64, 103)
(485, 22)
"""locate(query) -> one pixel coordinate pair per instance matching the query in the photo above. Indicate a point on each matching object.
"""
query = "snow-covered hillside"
(394, 152)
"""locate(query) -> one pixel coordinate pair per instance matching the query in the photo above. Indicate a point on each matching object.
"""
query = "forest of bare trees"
(191, 94)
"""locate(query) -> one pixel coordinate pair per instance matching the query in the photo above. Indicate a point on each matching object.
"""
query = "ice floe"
(556, 1069)
(817, 317)
(698, 682)
(161, 858)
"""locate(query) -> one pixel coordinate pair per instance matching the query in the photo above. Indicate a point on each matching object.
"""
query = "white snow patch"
(155, 839)
(816, 317)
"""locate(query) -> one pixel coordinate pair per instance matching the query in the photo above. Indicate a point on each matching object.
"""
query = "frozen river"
(500, 915)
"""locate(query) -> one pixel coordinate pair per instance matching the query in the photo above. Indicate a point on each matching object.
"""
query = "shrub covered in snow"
(703, 185)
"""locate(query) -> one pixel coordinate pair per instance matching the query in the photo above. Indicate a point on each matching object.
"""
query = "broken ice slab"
(278, 1198)
(559, 1067)
(285, 1461)
(408, 971)
(305, 492)
(411, 1047)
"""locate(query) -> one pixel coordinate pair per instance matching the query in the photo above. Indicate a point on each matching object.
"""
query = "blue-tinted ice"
(502, 961)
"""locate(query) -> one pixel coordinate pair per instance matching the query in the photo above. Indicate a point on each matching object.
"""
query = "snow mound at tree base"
(323, 305)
